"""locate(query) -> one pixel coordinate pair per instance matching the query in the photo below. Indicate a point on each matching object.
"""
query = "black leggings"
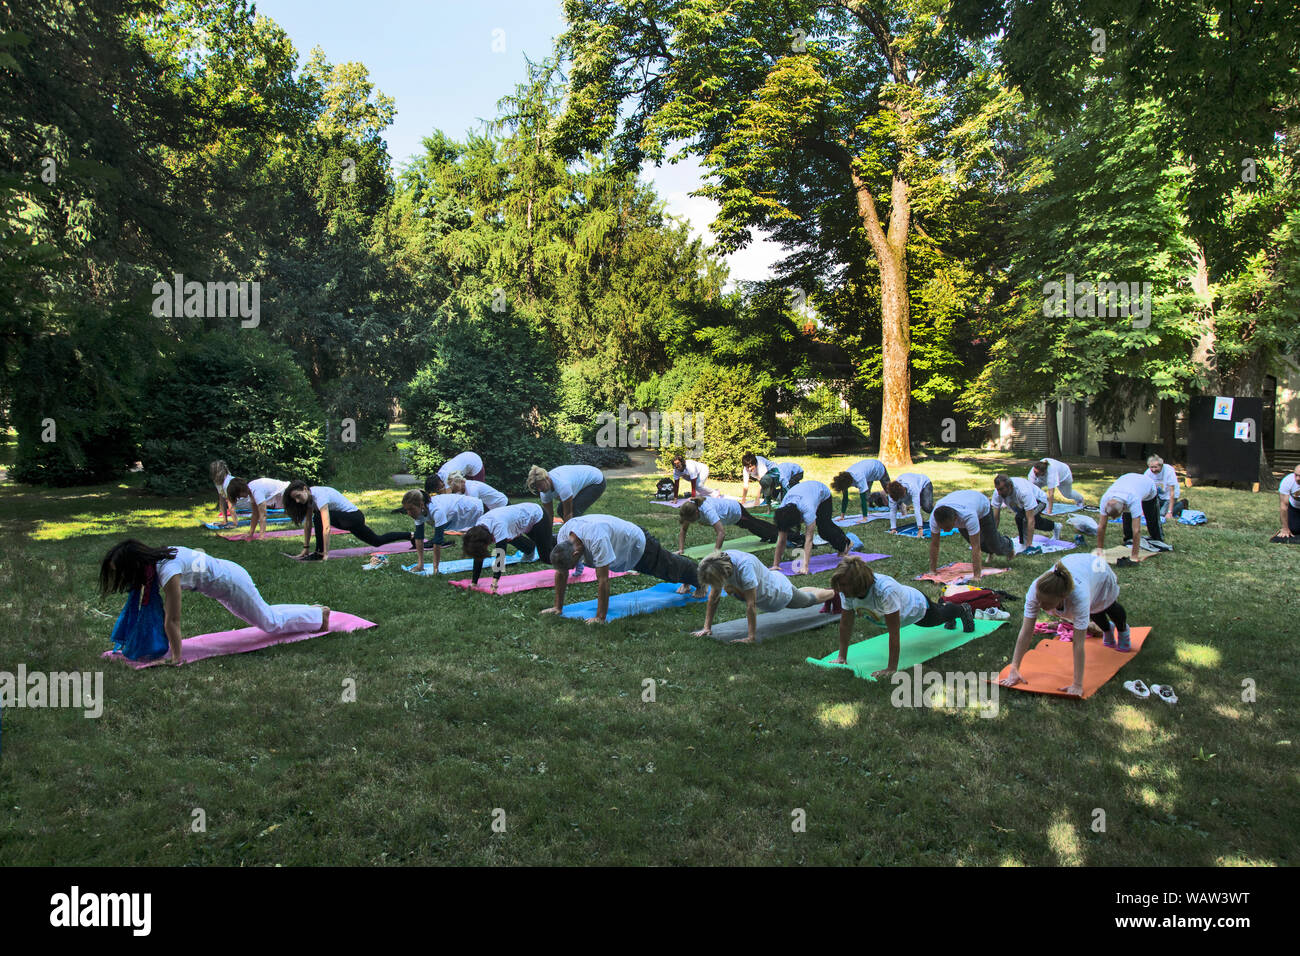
(1293, 518)
(828, 529)
(1045, 525)
(1113, 613)
(354, 522)
(539, 538)
(764, 529)
(657, 561)
(585, 498)
(1150, 511)
(942, 613)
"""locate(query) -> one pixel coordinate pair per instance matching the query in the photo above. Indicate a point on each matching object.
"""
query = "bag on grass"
(1191, 516)
(664, 489)
(138, 634)
(978, 599)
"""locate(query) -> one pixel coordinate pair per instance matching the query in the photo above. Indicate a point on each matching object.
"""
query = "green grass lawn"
(467, 703)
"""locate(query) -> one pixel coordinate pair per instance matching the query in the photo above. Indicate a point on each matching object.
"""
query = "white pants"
(237, 593)
(700, 487)
(1066, 490)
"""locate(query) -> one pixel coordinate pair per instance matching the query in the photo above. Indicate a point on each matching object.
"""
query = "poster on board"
(1223, 409)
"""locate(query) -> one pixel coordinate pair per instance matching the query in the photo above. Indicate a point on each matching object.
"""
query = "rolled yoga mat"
(631, 603)
(529, 581)
(461, 565)
(246, 639)
(916, 645)
(774, 624)
(1050, 666)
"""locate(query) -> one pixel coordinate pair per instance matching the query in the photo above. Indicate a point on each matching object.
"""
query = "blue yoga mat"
(913, 532)
(214, 526)
(270, 511)
(461, 565)
(630, 603)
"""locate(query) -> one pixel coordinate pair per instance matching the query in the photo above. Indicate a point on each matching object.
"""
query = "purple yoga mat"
(393, 547)
(825, 562)
(282, 533)
(513, 583)
(245, 640)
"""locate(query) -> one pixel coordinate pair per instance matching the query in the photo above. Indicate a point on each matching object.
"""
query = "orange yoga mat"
(1050, 666)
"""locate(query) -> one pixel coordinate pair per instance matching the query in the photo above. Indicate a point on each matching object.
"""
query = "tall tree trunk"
(1053, 431)
(1168, 423)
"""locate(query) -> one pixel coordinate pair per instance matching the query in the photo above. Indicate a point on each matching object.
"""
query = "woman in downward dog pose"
(458, 484)
(467, 463)
(219, 471)
(895, 605)
(743, 576)
(130, 566)
(860, 476)
(319, 508)
(717, 513)
(752, 467)
(262, 493)
(1080, 587)
(575, 488)
(523, 525)
(448, 512)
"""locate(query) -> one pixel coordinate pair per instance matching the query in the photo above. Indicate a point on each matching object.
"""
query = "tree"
(784, 100)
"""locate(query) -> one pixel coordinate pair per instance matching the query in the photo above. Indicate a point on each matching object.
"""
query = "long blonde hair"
(219, 470)
(456, 482)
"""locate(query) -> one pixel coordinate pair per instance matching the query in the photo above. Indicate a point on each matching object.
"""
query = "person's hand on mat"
(594, 620)
(702, 632)
(1012, 679)
(880, 674)
(1284, 533)
(1074, 690)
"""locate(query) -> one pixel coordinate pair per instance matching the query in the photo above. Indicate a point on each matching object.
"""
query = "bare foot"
(324, 619)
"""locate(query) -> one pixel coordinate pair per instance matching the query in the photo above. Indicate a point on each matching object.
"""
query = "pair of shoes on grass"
(1140, 691)
(992, 614)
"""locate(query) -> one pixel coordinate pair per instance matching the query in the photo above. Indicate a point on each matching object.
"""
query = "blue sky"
(437, 59)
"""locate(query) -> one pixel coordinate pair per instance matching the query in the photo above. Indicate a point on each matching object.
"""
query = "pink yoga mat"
(282, 533)
(393, 547)
(514, 583)
(245, 640)
(956, 573)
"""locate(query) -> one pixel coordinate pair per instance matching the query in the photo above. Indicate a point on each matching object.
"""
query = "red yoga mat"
(1050, 666)
(246, 639)
(514, 583)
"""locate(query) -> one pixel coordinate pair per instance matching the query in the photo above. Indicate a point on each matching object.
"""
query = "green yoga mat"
(750, 544)
(916, 646)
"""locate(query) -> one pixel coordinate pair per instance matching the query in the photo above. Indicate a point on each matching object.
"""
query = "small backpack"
(664, 489)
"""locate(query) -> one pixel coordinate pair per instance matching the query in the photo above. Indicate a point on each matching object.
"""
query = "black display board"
(1215, 452)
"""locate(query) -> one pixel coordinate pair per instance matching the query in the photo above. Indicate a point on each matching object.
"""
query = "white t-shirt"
(1132, 489)
(200, 572)
(326, 497)
(788, 470)
(914, 486)
(511, 521)
(485, 493)
(713, 510)
(1024, 495)
(1057, 472)
(224, 484)
(568, 480)
(888, 596)
(1164, 478)
(867, 471)
(454, 512)
(773, 590)
(263, 490)
(759, 469)
(1291, 488)
(693, 470)
(467, 463)
(606, 540)
(807, 496)
(1095, 589)
(970, 507)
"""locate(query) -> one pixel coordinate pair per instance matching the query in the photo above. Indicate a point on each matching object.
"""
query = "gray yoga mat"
(775, 624)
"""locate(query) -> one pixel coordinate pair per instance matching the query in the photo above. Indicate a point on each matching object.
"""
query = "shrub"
(488, 389)
(580, 401)
(365, 400)
(236, 397)
(727, 419)
(596, 455)
(78, 389)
